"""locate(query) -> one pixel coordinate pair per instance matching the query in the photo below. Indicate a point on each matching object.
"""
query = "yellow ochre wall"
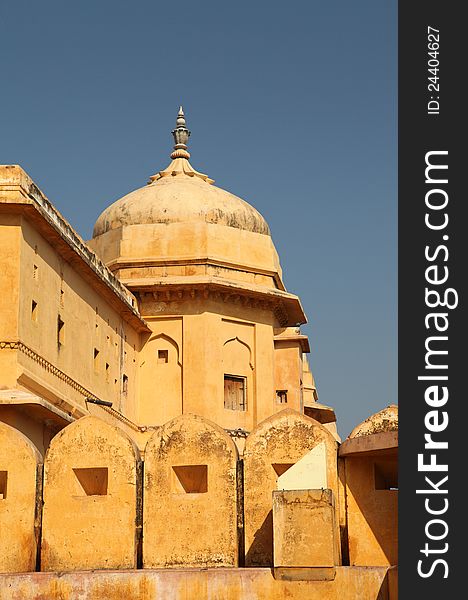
(9, 298)
(372, 514)
(161, 250)
(18, 529)
(190, 496)
(205, 339)
(89, 324)
(288, 372)
(276, 443)
(90, 496)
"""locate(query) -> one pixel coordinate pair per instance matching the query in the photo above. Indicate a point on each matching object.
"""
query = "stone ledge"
(376, 442)
(350, 583)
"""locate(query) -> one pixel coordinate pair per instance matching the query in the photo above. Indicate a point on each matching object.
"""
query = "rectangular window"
(107, 372)
(96, 359)
(3, 484)
(34, 311)
(281, 396)
(60, 331)
(124, 384)
(163, 356)
(234, 392)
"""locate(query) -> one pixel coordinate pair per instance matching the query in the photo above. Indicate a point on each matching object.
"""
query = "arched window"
(237, 370)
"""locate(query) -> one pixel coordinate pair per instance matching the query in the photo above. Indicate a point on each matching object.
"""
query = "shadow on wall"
(372, 510)
(389, 588)
(262, 544)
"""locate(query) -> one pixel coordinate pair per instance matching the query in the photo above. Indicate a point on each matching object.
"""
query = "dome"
(381, 422)
(179, 194)
(181, 234)
(179, 197)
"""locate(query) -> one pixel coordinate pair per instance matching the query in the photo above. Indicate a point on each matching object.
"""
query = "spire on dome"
(180, 164)
(181, 135)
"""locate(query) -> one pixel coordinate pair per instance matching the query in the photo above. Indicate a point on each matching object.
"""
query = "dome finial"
(181, 135)
(180, 164)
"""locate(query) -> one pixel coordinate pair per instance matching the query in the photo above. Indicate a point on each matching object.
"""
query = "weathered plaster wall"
(160, 376)
(139, 251)
(305, 533)
(275, 444)
(90, 476)
(9, 298)
(9, 275)
(34, 429)
(190, 516)
(195, 584)
(18, 467)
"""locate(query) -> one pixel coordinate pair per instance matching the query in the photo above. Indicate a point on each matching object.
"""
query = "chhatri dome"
(178, 194)
(180, 226)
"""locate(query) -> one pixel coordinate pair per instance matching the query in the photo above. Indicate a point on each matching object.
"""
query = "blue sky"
(292, 106)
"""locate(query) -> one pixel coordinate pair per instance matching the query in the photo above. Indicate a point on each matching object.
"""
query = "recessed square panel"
(386, 475)
(92, 481)
(190, 479)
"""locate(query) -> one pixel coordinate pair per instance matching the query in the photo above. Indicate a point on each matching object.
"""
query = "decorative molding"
(237, 433)
(244, 298)
(8, 345)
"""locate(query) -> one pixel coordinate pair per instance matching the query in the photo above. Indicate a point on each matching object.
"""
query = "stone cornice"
(211, 261)
(286, 307)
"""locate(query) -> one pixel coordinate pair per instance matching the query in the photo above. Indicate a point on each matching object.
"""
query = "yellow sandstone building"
(160, 430)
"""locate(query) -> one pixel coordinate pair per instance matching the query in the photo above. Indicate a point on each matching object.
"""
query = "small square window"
(281, 396)
(163, 356)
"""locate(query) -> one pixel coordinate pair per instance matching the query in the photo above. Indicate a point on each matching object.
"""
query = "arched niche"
(160, 380)
(237, 373)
